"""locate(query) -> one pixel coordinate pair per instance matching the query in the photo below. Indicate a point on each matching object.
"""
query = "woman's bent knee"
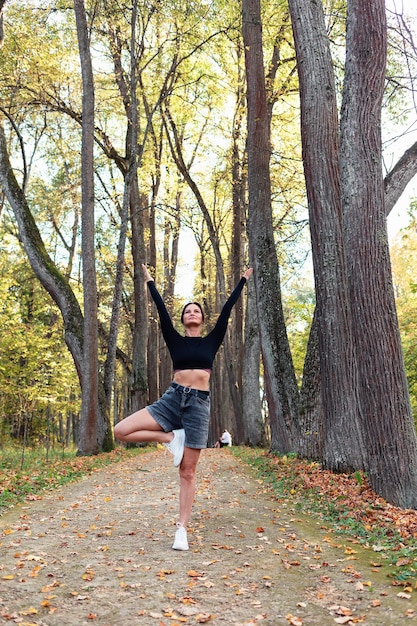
(119, 431)
(141, 420)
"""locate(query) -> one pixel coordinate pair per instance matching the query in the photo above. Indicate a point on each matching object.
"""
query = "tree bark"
(88, 442)
(129, 177)
(2, 3)
(237, 258)
(138, 382)
(398, 178)
(134, 150)
(252, 422)
(311, 440)
(311, 406)
(387, 419)
(153, 360)
(343, 446)
(280, 382)
(171, 244)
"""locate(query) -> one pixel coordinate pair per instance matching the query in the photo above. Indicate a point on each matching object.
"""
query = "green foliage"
(299, 304)
(38, 382)
(404, 265)
(401, 69)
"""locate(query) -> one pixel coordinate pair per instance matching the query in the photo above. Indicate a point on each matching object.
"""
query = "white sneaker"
(181, 541)
(176, 446)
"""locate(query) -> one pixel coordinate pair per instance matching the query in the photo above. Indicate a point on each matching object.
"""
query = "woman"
(180, 418)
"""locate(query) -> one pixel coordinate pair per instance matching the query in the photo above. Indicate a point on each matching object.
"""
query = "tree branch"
(398, 178)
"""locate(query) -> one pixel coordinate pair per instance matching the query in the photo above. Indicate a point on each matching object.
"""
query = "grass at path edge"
(28, 481)
(345, 504)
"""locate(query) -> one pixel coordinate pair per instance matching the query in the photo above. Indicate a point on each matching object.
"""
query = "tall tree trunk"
(171, 242)
(280, 381)
(88, 443)
(2, 3)
(388, 424)
(252, 421)
(153, 360)
(138, 382)
(311, 406)
(129, 177)
(238, 232)
(311, 441)
(343, 445)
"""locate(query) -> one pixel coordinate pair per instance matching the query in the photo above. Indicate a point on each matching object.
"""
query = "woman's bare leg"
(141, 427)
(187, 483)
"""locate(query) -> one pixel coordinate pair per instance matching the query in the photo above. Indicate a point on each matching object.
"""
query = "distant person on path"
(180, 418)
(225, 440)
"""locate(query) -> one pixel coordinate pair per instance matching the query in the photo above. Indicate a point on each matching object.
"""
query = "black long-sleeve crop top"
(194, 352)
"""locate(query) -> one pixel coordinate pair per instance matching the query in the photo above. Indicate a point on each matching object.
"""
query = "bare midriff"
(196, 379)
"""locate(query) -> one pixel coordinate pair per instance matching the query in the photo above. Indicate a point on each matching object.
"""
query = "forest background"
(201, 161)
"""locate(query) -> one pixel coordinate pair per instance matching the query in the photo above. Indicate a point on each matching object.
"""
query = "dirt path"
(99, 552)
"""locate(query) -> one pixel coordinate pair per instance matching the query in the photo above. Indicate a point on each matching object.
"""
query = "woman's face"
(192, 315)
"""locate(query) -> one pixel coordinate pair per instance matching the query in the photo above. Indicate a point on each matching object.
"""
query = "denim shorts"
(186, 408)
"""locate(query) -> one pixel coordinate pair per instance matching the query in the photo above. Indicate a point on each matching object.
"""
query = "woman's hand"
(146, 274)
(248, 273)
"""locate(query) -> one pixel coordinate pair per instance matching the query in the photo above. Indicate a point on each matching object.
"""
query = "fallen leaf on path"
(294, 620)
(35, 571)
(51, 587)
(203, 618)
(187, 600)
(193, 574)
(187, 611)
(402, 562)
(164, 572)
(405, 596)
(88, 575)
(341, 610)
(29, 611)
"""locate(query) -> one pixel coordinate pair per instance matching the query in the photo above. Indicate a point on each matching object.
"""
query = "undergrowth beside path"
(29, 480)
(347, 504)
